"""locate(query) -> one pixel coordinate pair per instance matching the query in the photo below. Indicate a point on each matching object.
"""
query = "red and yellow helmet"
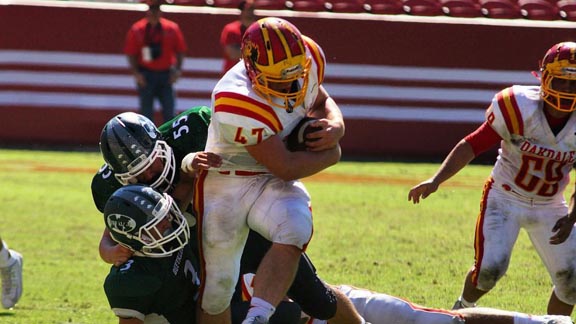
(559, 63)
(275, 58)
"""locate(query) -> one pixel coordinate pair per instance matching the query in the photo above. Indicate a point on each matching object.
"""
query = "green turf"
(366, 234)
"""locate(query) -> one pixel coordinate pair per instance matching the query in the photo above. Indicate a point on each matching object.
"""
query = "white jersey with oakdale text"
(533, 164)
(240, 117)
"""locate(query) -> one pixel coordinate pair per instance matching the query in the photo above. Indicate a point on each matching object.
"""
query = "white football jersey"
(533, 163)
(240, 117)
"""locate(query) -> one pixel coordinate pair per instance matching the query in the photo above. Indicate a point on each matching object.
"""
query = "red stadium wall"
(408, 86)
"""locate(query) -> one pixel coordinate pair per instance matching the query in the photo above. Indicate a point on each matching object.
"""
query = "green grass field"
(366, 234)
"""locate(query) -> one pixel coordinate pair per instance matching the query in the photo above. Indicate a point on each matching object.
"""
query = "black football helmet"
(132, 215)
(130, 143)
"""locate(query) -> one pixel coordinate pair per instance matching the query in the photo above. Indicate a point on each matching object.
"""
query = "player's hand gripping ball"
(296, 140)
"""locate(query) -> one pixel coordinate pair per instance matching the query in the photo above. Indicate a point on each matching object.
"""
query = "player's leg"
(346, 313)
(223, 232)
(558, 258)
(287, 312)
(274, 276)
(314, 296)
(494, 239)
(481, 315)
(11, 275)
(379, 308)
(470, 293)
(146, 95)
(282, 215)
(556, 306)
(166, 96)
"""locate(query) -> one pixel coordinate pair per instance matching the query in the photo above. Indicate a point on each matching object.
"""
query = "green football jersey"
(167, 286)
(185, 133)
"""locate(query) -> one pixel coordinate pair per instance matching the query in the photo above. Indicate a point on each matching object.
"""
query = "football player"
(536, 129)
(137, 152)
(255, 105)
(161, 276)
(380, 308)
(11, 275)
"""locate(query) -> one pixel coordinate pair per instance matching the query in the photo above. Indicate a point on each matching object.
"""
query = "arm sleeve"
(483, 138)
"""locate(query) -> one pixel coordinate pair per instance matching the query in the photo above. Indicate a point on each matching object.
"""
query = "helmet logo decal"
(251, 51)
(121, 223)
(150, 129)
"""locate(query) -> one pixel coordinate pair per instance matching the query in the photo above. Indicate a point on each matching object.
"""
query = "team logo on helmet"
(251, 51)
(121, 223)
(150, 129)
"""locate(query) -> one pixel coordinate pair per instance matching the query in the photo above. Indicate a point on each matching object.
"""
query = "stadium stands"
(539, 9)
(544, 10)
(346, 6)
(384, 7)
(567, 9)
(224, 3)
(271, 4)
(307, 5)
(462, 8)
(423, 7)
(500, 9)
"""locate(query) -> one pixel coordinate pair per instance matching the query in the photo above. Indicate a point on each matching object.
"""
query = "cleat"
(12, 280)
(255, 320)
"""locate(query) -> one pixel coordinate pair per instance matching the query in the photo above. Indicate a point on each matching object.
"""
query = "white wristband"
(186, 166)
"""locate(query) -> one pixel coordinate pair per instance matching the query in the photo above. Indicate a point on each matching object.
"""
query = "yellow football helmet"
(559, 64)
(274, 54)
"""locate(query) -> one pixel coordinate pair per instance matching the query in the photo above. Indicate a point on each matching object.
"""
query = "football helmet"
(130, 143)
(275, 58)
(136, 217)
(559, 62)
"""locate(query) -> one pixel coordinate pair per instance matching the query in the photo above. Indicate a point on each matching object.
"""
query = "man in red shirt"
(231, 35)
(155, 50)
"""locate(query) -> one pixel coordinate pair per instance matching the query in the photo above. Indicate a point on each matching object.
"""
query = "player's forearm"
(459, 157)
(106, 247)
(304, 164)
(327, 108)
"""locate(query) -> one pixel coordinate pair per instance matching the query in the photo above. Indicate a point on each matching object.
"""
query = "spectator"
(231, 36)
(11, 273)
(155, 50)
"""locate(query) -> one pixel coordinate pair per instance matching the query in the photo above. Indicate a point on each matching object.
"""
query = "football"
(296, 140)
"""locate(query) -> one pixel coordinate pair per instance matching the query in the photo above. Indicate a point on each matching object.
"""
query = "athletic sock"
(466, 303)
(260, 307)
